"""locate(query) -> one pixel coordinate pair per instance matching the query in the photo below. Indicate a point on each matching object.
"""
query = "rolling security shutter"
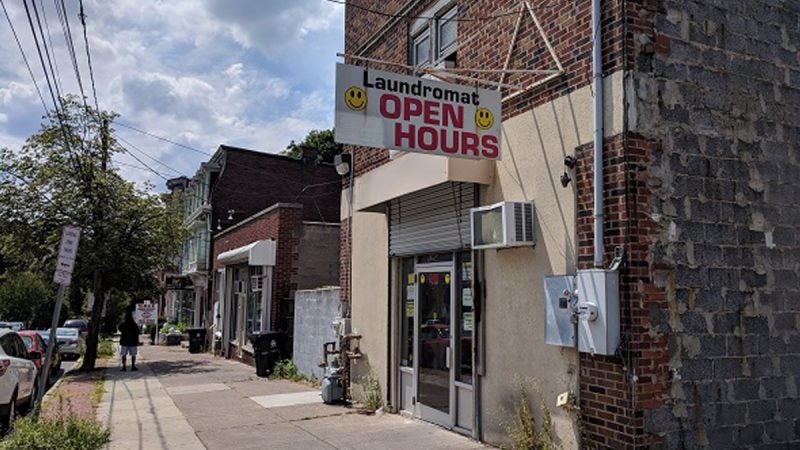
(432, 220)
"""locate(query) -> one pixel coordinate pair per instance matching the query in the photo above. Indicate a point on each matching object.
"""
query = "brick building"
(234, 185)
(259, 263)
(700, 179)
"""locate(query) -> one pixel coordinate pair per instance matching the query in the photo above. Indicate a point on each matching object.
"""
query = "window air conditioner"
(504, 224)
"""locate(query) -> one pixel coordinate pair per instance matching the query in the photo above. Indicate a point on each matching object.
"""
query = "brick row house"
(260, 227)
(693, 119)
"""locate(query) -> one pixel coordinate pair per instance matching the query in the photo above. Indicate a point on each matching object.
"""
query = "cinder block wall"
(717, 85)
(314, 311)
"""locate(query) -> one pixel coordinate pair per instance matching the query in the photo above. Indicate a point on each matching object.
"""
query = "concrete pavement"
(182, 401)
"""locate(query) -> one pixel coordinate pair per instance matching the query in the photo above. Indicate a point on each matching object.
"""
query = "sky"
(248, 73)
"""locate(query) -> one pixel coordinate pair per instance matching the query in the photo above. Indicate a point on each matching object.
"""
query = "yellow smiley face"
(355, 98)
(484, 118)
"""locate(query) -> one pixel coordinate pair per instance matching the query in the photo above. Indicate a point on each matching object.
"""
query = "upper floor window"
(434, 41)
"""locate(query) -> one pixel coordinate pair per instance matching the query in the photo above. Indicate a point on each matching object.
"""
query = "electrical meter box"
(598, 311)
(558, 303)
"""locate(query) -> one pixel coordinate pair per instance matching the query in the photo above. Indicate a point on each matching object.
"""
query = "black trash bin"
(197, 340)
(269, 347)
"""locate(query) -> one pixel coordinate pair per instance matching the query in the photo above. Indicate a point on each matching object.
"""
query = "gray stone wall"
(314, 310)
(721, 93)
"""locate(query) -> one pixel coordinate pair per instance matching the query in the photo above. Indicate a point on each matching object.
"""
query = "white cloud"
(252, 73)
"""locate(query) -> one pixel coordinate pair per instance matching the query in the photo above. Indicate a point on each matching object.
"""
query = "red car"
(36, 347)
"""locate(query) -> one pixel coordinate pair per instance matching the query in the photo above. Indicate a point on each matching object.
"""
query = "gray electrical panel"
(560, 327)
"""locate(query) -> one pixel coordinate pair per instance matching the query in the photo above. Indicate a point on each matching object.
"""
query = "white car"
(17, 377)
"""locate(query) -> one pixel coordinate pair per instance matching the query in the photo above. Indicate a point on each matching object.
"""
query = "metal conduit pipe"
(597, 67)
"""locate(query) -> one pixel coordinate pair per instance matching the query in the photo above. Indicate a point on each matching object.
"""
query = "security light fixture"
(342, 162)
(565, 179)
(230, 214)
(219, 225)
(570, 161)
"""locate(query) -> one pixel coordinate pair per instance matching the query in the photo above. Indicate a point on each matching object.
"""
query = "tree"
(25, 297)
(61, 176)
(321, 140)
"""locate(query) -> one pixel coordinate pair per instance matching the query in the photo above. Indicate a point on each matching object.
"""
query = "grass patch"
(287, 370)
(524, 432)
(99, 390)
(105, 349)
(64, 431)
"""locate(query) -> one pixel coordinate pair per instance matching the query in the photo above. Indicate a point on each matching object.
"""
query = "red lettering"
(469, 142)
(400, 135)
(431, 142)
(490, 148)
(431, 114)
(387, 101)
(453, 147)
(411, 108)
(451, 115)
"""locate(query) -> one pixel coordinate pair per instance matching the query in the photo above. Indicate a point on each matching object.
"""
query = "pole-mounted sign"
(388, 110)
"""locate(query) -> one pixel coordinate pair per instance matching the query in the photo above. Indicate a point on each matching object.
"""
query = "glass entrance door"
(434, 341)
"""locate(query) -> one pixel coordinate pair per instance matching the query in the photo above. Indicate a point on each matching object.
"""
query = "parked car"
(36, 345)
(17, 377)
(80, 324)
(70, 342)
(16, 326)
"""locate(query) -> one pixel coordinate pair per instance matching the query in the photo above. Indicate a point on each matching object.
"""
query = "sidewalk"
(178, 400)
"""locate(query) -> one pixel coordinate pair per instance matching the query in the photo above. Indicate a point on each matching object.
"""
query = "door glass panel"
(465, 318)
(407, 287)
(434, 340)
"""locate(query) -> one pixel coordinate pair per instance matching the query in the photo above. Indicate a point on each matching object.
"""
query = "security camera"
(570, 161)
(565, 179)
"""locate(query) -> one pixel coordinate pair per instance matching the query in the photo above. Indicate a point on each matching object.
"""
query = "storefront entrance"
(436, 385)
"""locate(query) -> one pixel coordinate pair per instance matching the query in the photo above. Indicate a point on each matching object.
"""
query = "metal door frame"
(420, 410)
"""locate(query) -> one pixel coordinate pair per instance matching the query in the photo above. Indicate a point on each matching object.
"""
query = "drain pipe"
(597, 67)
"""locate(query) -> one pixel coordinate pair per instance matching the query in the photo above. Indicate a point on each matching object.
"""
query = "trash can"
(197, 340)
(269, 347)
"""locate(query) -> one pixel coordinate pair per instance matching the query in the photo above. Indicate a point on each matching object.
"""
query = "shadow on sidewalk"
(181, 367)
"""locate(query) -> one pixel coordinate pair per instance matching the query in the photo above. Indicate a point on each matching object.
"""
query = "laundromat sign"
(387, 110)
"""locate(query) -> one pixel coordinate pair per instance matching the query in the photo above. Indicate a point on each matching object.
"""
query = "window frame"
(430, 26)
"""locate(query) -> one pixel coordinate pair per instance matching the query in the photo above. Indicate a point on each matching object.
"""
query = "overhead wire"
(145, 154)
(63, 18)
(53, 71)
(41, 58)
(126, 150)
(161, 138)
(88, 56)
(25, 59)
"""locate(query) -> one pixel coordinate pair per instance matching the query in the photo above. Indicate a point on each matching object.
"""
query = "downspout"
(597, 68)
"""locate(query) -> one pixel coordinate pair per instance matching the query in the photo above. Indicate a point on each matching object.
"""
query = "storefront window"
(407, 295)
(254, 298)
(464, 310)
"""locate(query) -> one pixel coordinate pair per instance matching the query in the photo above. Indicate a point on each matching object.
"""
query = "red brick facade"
(279, 224)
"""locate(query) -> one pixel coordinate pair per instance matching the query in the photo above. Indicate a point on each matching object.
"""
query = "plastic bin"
(197, 340)
(269, 347)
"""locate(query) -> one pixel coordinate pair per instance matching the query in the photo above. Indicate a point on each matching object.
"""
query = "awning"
(258, 253)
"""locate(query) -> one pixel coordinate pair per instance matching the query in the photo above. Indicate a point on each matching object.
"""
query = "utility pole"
(98, 289)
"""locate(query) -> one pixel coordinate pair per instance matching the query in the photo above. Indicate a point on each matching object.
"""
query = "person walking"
(129, 340)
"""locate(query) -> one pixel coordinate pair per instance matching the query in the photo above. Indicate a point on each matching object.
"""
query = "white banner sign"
(67, 251)
(145, 313)
(387, 110)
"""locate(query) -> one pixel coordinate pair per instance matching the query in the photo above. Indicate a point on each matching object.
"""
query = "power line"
(53, 72)
(41, 58)
(59, 84)
(125, 150)
(89, 57)
(131, 127)
(24, 58)
(142, 152)
(63, 18)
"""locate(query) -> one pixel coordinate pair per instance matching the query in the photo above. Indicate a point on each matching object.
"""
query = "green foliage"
(64, 432)
(105, 349)
(523, 430)
(286, 370)
(322, 140)
(57, 179)
(373, 400)
(180, 327)
(25, 297)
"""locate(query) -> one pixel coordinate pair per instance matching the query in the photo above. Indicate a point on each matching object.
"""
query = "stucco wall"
(317, 264)
(370, 296)
(314, 311)
(534, 146)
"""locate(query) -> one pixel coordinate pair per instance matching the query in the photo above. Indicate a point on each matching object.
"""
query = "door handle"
(447, 357)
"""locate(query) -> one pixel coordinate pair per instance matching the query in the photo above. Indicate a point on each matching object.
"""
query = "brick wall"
(718, 85)
(615, 390)
(252, 181)
(280, 225)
